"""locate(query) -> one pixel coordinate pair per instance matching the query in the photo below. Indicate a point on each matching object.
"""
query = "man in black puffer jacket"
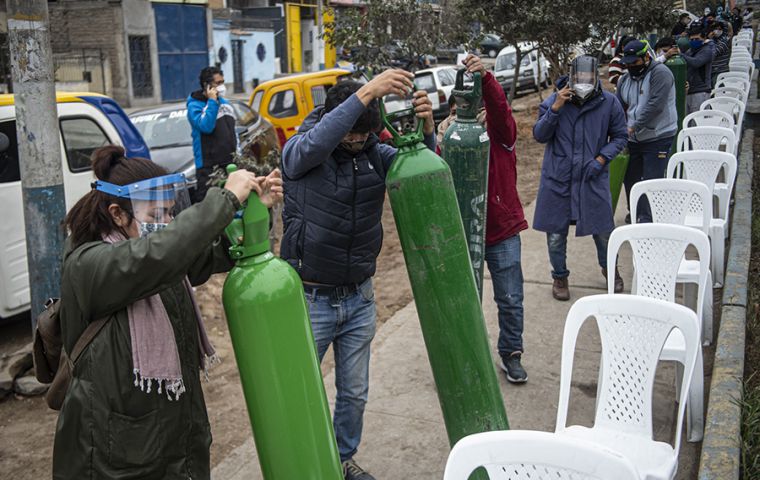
(334, 173)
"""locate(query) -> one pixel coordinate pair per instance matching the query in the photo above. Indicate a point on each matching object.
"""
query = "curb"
(721, 447)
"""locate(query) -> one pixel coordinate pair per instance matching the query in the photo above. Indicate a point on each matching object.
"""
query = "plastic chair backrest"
(741, 66)
(633, 330)
(657, 252)
(706, 138)
(740, 75)
(672, 200)
(527, 455)
(734, 82)
(709, 118)
(732, 106)
(703, 166)
(730, 91)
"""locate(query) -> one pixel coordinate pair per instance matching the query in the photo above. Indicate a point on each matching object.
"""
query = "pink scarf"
(155, 357)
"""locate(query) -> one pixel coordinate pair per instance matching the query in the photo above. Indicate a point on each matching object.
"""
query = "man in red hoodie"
(505, 220)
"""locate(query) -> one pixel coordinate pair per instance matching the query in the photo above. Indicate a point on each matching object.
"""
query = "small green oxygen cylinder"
(274, 347)
(677, 66)
(466, 148)
(429, 225)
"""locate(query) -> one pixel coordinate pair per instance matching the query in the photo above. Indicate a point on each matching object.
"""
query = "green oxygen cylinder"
(677, 66)
(465, 148)
(274, 347)
(429, 225)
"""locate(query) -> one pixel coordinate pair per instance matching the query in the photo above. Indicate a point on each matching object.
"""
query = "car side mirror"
(5, 142)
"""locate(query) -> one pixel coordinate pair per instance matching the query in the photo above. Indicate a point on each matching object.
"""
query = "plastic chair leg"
(717, 244)
(707, 313)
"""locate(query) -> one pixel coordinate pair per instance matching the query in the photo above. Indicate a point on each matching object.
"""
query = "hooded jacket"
(334, 199)
(650, 103)
(574, 186)
(213, 130)
(108, 428)
(699, 68)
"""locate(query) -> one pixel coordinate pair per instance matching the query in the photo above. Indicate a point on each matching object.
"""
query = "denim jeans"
(503, 261)
(648, 160)
(349, 324)
(557, 243)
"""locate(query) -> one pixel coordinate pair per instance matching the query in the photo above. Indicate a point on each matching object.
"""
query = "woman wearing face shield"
(135, 406)
(584, 129)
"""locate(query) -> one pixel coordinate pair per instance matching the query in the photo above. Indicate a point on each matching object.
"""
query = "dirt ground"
(27, 425)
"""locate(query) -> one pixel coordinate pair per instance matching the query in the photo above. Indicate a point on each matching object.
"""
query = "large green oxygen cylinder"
(465, 148)
(432, 237)
(274, 346)
(677, 66)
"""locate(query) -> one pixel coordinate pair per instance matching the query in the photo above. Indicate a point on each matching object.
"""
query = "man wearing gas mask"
(648, 94)
(583, 128)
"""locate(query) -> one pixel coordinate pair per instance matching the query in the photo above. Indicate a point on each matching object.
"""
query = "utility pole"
(320, 31)
(38, 145)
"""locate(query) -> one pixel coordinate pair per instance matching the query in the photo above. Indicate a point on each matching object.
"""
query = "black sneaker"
(352, 471)
(514, 369)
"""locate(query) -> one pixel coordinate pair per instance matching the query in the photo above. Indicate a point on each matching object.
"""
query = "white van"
(531, 76)
(87, 121)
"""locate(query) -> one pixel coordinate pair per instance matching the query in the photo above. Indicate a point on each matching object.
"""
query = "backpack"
(51, 362)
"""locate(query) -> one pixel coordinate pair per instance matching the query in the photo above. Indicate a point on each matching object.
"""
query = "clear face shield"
(584, 76)
(155, 201)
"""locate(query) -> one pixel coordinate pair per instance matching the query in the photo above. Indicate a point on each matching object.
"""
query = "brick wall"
(78, 24)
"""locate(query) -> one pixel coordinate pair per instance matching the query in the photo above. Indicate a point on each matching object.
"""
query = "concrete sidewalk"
(404, 434)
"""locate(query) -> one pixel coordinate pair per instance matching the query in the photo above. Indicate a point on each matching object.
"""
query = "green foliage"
(750, 430)
(409, 27)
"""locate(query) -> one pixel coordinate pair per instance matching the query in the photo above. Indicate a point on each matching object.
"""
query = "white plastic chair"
(734, 92)
(706, 138)
(732, 106)
(633, 331)
(684, 202)
(740, 75)
(659, 264)
(734, 82)
(741, 65)
(709, 118)
(526, 455)
(704, 166)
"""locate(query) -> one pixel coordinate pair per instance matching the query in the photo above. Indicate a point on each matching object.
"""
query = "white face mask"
(221, 90)
(148, 228)
(583, 90)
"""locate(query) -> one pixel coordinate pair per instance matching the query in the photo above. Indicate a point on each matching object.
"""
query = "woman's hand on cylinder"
(241, 183)
(271, 188)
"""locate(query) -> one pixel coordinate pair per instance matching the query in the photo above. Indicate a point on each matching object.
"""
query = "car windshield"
(165, 129)
(507, 61)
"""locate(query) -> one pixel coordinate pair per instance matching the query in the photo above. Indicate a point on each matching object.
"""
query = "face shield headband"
(155, 201)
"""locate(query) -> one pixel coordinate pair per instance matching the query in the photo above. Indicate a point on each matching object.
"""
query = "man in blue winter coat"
(334, 172)
(699, 60)
(212, 120)
(583, 128)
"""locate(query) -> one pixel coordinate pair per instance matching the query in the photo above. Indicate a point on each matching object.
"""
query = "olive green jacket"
(108, 428)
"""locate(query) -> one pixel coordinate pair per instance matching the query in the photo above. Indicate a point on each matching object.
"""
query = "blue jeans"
(503, 261)
(557, 243)
(648, 160)
(349, 324)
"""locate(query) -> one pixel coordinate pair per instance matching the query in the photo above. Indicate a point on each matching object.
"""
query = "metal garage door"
(182, 48)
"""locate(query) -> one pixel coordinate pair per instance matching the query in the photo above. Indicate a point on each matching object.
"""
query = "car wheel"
(492, 53)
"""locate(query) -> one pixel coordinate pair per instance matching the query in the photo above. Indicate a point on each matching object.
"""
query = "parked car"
(168, 135)
(534, 73)
(286, 101)
(443, 79)
(491, 45)
(87, 121)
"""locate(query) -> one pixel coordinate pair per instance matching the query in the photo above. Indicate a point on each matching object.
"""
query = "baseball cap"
(634, 50)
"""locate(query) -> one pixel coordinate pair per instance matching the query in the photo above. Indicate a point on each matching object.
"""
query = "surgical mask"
(696, 44)
(221, 90)
(718, 33)
(583, 90)
(148, 228)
